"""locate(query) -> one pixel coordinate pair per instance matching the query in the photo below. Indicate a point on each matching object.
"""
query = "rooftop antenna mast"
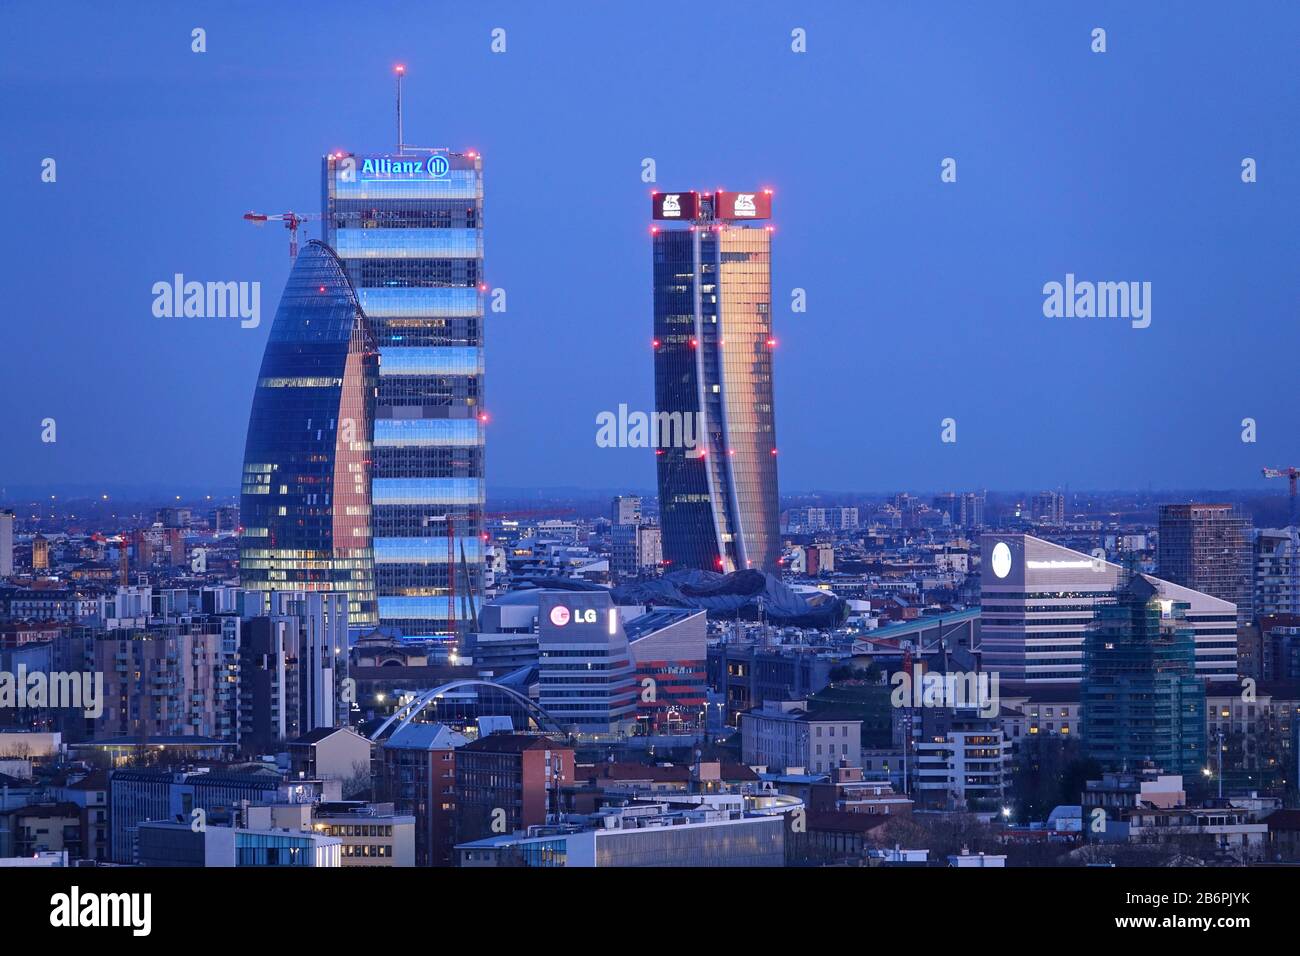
(400, 70)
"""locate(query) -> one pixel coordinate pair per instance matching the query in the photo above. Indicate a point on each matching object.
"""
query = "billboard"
(738, 205)
(683, 205)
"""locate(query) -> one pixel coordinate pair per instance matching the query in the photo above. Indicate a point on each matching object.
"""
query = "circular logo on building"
(560, 615)
(438, 167)
(1001, 559)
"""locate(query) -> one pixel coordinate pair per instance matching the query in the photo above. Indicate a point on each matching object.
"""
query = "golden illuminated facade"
(713, 359)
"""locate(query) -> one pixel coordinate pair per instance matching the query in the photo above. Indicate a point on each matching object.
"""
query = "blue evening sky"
(924, 298)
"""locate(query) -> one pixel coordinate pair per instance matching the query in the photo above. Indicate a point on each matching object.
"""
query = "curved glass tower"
(307, 460)
(713, 366)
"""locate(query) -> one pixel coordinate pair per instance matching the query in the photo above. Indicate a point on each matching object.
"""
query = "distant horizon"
(141, 492)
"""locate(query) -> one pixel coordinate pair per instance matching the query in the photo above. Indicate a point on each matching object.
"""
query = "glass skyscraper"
(409, 230)
(1141, 697)
(306, 481)
(713, 374)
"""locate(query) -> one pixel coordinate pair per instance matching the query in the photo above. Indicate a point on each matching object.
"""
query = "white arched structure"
(408, 711)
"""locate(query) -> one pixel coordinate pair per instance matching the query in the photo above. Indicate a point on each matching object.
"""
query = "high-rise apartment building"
(306, 484)
(1274, 590)
(1048, 507)
(635, 549)
(963, 510)
(625, 509)
(409, 229)
(1207, 547)
(713, 379)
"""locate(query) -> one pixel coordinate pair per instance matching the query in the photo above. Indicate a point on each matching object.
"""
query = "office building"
(306, 484)
(409, 230)
(669, 648)
(137, 796)
(370, 834)
(1207, 547)
(585, 670)
(1038, 600)
(163, 843)
(717, 830)
(1141, 699)
(713, 349)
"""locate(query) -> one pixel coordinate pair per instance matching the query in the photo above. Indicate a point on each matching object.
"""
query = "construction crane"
(1294, 560)
(464, 609)
(291, 220)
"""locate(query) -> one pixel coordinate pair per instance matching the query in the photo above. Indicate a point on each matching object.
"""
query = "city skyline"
(502, 437)
(910, 329)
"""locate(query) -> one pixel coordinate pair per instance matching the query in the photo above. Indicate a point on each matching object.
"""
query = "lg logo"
(561, 616)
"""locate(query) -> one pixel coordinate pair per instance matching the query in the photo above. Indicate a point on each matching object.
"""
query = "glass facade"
(1141, 698)
(409, 231)
(713, 360)
(307, 459)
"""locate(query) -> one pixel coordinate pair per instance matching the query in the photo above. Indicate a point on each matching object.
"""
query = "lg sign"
(561, 615)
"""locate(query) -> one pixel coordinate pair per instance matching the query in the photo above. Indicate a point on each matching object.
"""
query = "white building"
(1038, 599)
